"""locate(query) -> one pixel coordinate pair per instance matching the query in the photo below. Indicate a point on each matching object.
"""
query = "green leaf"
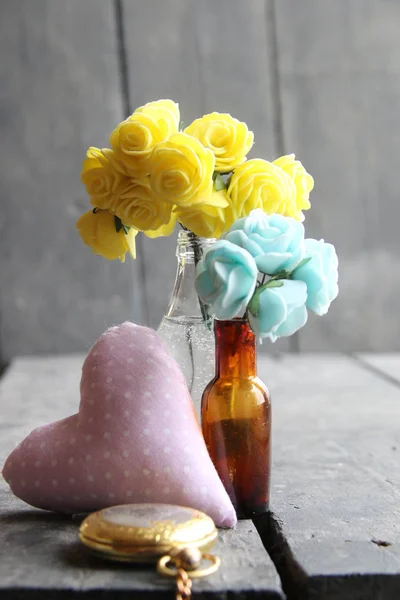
(274, 283)
(280, 275)
(254, 304)
(303, 262)
(118, 224)
(219, 183)
(228, 180)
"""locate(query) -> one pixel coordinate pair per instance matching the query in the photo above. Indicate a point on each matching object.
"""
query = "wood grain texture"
(340, 91)
(336, 475)
(318, 78)
(60, 93)
(39, 553)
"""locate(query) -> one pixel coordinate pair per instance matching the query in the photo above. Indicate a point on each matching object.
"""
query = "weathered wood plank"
(60, 93)
(208, 56)
(388, 364)
(162, 63)
(335, 486)
(336, 475)
(41, 556)
(235, 65)
(340, 89)
(236, 55)
(39, 553)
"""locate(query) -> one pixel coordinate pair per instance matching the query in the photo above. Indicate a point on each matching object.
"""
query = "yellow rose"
(261, 184)
(164, 230)
(101, 174)
(228, 138)
(98, 231)
(303, 182)
(181, 171)
(138, 207)
(206, 220)
(169, 106)
(133, 140)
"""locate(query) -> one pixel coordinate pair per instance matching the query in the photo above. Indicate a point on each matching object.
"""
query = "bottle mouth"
(185, 236)
(226, 322)
(189, 245)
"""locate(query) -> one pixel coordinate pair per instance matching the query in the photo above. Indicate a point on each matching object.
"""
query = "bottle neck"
(235, 349)
(184, 302)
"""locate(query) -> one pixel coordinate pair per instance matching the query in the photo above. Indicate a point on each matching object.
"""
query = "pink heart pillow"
(135, 438)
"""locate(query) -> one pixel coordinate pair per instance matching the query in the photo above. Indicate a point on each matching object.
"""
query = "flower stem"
(198, 253)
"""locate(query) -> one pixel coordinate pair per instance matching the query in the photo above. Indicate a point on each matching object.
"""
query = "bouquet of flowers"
(158, 172)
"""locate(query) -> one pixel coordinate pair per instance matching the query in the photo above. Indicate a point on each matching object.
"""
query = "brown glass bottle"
(236, 419)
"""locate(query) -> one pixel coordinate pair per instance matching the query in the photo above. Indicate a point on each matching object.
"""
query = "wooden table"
(334, 532)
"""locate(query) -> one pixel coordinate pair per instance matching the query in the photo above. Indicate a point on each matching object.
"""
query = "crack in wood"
(292, 575)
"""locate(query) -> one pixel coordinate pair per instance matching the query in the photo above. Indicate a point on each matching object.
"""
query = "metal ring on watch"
(165, 569)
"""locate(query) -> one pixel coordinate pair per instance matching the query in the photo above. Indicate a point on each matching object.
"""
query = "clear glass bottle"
(185, 328)
(236, 419)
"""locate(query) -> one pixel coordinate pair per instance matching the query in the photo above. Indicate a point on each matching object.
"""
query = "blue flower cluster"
(297, 274)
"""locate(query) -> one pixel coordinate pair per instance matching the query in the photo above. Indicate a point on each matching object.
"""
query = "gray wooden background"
(318, 77)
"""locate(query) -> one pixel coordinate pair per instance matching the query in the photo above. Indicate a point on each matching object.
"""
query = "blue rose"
(278, 311)
(226, 277)
(275, 242)
(320, 274)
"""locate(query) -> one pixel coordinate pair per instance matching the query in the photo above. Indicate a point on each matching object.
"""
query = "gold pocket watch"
(176, 537)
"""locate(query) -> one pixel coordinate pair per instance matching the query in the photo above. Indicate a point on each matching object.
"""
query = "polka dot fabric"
(135, 438)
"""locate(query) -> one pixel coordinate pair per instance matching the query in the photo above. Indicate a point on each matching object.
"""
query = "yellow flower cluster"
(155, 174)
